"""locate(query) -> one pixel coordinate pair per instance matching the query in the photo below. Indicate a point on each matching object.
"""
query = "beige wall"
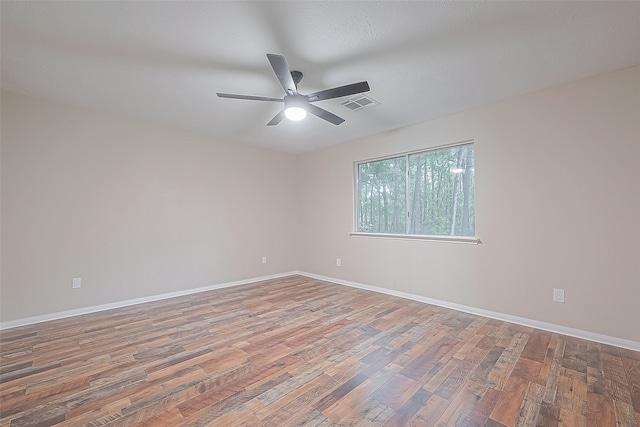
(134, 209)
(557, 206)
(139, 210)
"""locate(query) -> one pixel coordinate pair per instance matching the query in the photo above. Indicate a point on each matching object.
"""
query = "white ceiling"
(164, 61)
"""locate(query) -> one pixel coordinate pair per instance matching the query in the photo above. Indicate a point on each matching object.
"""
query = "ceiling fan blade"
(277, 119)
(338, 92)
(324, 114)
(281, 68)
(250, 97)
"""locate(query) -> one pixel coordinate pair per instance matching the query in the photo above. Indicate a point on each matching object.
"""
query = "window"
(427, 193)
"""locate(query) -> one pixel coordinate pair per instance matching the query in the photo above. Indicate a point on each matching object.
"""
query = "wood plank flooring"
(302, 352)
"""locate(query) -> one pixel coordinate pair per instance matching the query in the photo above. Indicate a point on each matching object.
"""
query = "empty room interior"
(320, 213)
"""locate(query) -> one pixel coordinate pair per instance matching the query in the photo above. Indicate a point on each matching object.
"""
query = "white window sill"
(442, 239)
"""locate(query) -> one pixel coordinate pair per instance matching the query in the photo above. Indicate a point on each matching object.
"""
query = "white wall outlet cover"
(264, 259)
(76, 283)
(558, 295)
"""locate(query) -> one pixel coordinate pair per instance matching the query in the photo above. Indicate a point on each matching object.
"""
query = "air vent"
(359, 102)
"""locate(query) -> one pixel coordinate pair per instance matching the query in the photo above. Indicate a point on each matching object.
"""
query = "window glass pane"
(381, 206)
(441, 192)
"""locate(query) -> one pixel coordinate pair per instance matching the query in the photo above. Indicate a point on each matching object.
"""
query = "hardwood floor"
(298, 351)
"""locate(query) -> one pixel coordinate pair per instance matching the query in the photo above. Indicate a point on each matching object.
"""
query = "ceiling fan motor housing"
(293, 101)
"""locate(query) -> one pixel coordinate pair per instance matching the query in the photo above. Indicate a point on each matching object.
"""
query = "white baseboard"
(86, 310)
(591, 336)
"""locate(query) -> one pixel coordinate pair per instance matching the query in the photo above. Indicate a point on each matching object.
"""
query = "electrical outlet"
(76, 283)
(264, 259)
(338, 262)
(558, 295)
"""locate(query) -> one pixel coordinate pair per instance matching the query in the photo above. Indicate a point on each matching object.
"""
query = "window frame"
(405, 236)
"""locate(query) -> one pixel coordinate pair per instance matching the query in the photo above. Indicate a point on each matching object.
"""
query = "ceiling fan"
(296, 105)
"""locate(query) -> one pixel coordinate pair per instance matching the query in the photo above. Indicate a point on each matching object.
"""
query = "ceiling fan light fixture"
(294, 107)
(295, 113)
(297, 105)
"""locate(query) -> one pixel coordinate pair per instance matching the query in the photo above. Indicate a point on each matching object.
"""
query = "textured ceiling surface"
(164, 62)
